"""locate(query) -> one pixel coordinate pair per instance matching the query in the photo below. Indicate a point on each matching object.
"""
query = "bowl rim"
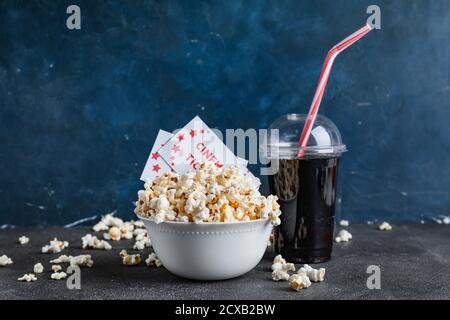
(181, 223)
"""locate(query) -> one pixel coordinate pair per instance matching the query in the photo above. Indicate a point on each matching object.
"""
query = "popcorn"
(446, 220)
(142, 243)
(124, 231)
(344, 223)
(280, 275)
(38, 268)
(279, 259)
(56, 268)
(315, 275)
(84, 260)
(55, 246)
(139, 233)
(5, 260)
(385, 226)
(24, 240)
(299, 281)
(153, 261)
(91, 242)
(138, 224)
(100, 226)
(114, 233)
(280, 268)
(130, 259)
(207, 195)
(58, 275)
(62, 259)
(343, 236)
(29, 277)
(111, 221)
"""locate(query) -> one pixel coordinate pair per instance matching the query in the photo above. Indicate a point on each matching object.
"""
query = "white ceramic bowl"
(209, 251)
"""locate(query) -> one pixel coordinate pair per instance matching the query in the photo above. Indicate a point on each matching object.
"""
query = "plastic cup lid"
(284, 133)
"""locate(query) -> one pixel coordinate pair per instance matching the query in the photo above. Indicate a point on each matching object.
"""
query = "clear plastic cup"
(306, 188)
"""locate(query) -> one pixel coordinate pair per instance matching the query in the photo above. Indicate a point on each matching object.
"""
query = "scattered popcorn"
(279, 259)
(280, 275)
(58, 275)
(62, 259)
(130, 259)
(299, 281)
(106, 222)
(283, 266)
(344, 223)
(280, 268)
(24, 240)
(56, 268)
(315, 275)
(385, 226)
(84, 260)
(91, 242)
(446, 220)
(139, 233)
(100, 226)
(138, 224)
(38, 268)
(55, 246)
(114, 233)
(208, 195)
(5, 260)
(343, 236)
(153, 261)
(142, 243)
(27, 277)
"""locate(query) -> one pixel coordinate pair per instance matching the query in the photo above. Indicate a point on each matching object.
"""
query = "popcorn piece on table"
(299, 281)
(56, 268)
(315, 275)
(280, 275)
(130, 259)
(55, 246)
(139, 224)
(58, 275)
(153, 261)
(61, 259)
(24, 240)
(446, 220)
(209, 194)
(106, 222)
(385, 226)
(344, 223)
(343, 236)
(91, 242)
(5, 260)
(280, 264)
(139, 234)
(38, 268)
(83, 260)
(28, 277)
(142, 243)
(114, 234)
(280, 268)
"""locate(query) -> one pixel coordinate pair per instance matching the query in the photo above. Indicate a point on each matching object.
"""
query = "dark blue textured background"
(80, 109)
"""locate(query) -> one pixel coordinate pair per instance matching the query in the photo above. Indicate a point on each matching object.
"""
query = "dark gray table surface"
(414, 262)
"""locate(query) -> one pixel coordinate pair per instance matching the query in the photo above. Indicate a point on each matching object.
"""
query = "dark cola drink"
(307, 195)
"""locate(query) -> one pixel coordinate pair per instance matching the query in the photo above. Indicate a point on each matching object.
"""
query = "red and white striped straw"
(326, 69)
